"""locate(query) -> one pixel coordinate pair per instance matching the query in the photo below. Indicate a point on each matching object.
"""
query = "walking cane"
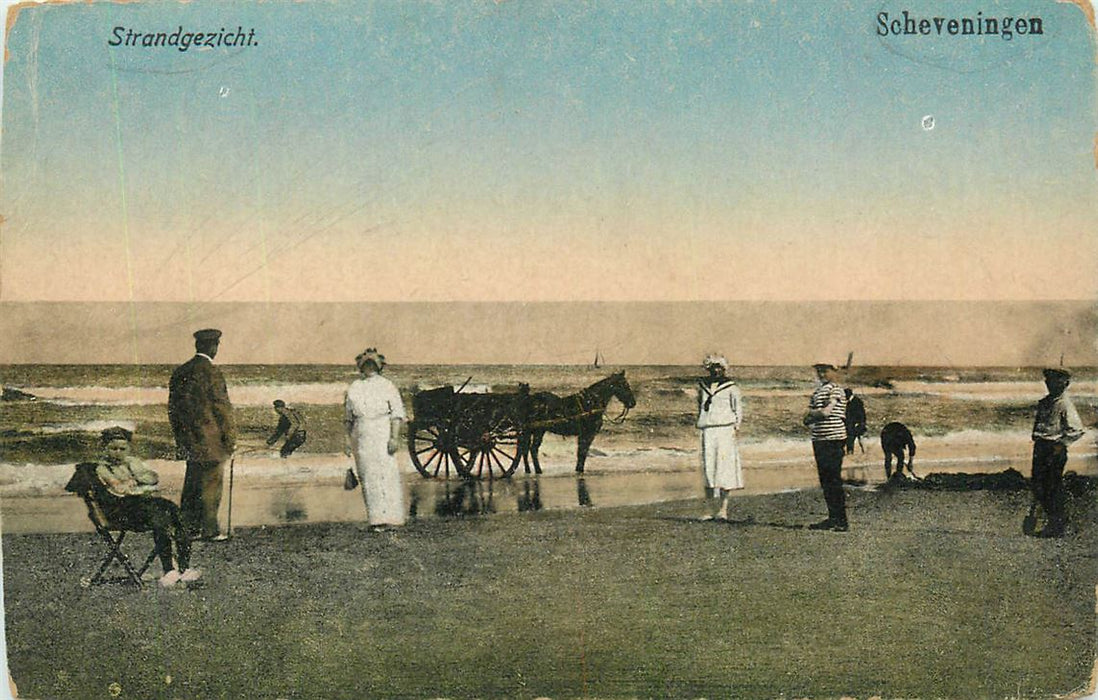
(232, 462)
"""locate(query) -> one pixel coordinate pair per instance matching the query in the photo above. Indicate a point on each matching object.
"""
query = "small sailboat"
(598, 359)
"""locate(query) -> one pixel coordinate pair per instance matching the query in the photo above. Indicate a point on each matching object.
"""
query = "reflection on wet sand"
(287, 506)
(322, 498)
(583, 496)
(531, 496)
(268, 504)
(466, 497)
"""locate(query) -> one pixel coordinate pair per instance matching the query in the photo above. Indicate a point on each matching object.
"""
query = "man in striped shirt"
(827, 418)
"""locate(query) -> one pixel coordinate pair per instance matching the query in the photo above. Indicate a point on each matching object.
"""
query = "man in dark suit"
(202, 421)
(855, 421)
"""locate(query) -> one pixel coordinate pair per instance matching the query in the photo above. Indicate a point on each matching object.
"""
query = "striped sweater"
(834, 426)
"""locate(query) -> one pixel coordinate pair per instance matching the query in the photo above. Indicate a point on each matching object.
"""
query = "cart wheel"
(432, 451)
(496, 454)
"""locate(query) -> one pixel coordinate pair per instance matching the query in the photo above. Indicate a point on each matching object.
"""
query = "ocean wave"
(92, 426)
(100, 395)
(991, 391)
(328, 393)
(239, 394)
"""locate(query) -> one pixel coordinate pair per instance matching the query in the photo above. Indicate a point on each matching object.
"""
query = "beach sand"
(931, 594)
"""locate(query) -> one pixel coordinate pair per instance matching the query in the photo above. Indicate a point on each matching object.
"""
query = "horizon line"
(607, 367)
(561, 301)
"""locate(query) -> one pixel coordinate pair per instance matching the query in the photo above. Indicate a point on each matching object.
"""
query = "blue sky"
(546, 150)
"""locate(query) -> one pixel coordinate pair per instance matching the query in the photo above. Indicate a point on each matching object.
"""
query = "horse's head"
(621, 390)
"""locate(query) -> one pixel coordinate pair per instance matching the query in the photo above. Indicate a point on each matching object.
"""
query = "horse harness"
(581, 413)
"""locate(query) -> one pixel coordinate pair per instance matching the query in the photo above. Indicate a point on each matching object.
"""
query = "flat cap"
(207, 334)
(115, 433)
(1057, 372)
(823, 365)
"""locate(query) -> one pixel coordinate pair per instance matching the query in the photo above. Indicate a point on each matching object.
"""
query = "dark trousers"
(829, 467)
(142, 513)
(1047, 481)
(201, 498)
(850, 440)
(292, 443)
(898, 453)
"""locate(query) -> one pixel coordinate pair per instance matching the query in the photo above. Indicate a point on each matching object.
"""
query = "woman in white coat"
(373, 416)
(720, 411)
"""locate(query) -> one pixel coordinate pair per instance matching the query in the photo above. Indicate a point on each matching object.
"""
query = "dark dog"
(895, 438)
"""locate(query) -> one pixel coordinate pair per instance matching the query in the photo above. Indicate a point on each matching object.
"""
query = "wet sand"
(308, 488)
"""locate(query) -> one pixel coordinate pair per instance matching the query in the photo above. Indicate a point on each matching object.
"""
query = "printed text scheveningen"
(183, 40)
(906, 24)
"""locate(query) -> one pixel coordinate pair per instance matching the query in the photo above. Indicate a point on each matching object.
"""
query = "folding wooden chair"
(86, 484)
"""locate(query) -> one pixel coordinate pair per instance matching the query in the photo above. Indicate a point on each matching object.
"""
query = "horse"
(577, 414)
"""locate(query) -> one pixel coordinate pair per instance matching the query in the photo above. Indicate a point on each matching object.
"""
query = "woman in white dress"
(720, 411)
(374, 414)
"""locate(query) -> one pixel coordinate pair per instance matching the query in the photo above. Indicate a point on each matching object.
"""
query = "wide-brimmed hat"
(823, 365)
(715, 360)
(370, 355)
(1056, 373)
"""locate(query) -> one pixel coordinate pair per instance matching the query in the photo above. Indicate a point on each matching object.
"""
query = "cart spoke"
(499, 465)
(463, 460)
(426, 447)
(435, 454)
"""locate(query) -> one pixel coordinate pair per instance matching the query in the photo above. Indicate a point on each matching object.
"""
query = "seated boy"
(132, 501)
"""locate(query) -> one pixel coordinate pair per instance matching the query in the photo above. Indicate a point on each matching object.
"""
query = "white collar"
(202, 354)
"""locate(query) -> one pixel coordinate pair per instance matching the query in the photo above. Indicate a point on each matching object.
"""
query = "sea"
(967, 419)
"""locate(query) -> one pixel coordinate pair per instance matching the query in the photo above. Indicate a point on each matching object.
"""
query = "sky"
(546, 151)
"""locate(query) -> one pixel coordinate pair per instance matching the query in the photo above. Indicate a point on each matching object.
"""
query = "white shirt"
(719, 404)
(371, 398)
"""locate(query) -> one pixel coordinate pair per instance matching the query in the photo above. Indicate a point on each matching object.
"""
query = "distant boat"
(598, 360)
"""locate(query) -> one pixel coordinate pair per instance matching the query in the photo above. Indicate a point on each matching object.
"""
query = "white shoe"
(170, 579)
(191, 575)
